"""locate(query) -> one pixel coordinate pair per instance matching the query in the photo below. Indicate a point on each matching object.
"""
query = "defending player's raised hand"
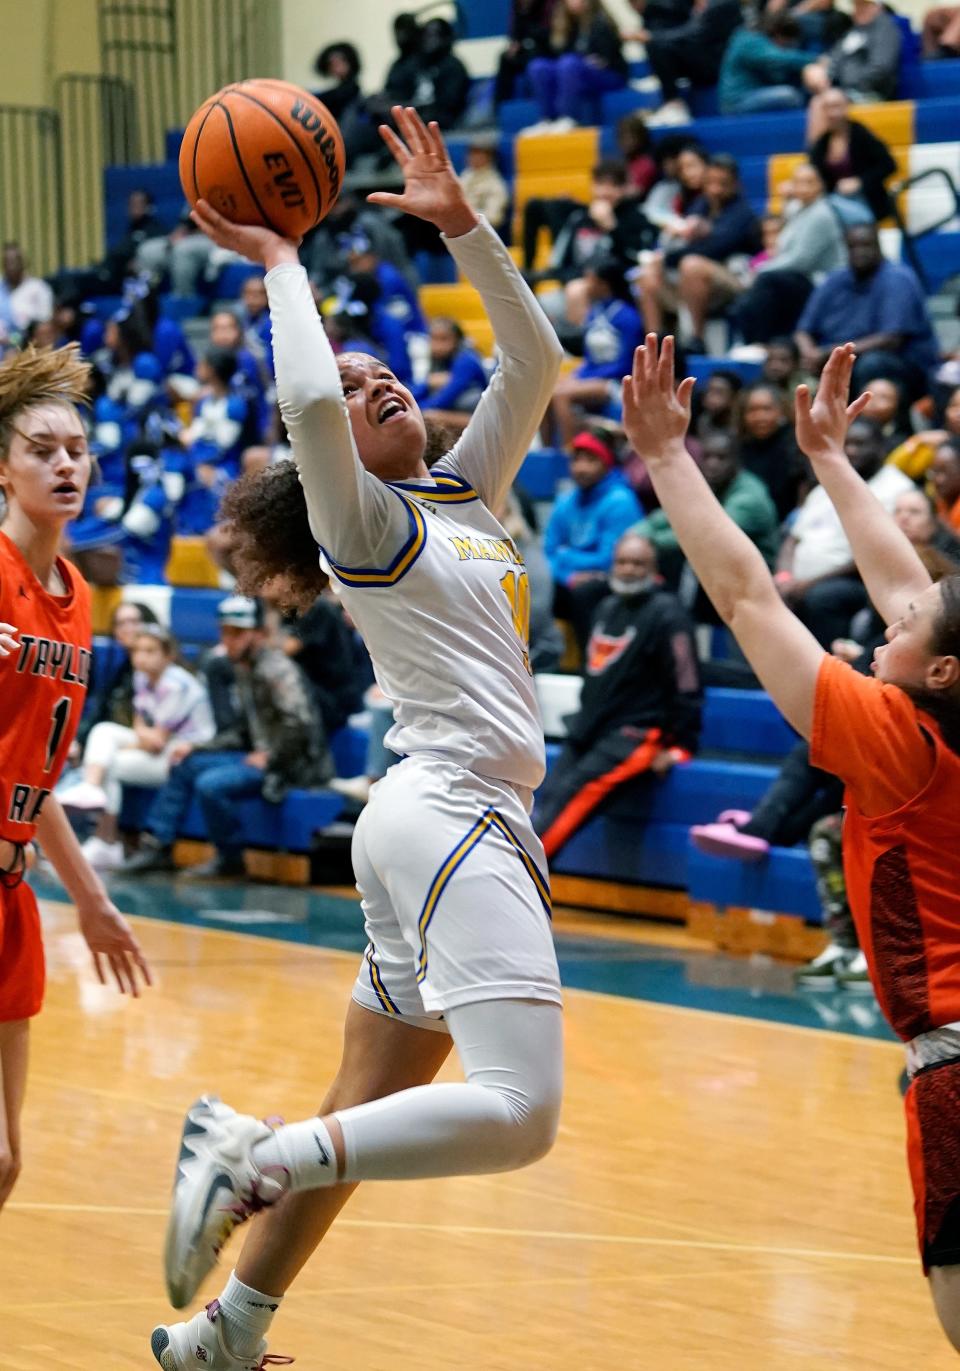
(431, 187)
(112, 944)
(8, 640)
(252, 241)
(656, 411)
(822, 423)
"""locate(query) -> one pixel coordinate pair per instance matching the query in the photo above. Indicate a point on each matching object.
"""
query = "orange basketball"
(264, 152)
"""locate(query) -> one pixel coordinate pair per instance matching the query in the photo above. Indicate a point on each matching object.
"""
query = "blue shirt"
(612, 331)
(585, 524)
(889, 301)
(466, 383)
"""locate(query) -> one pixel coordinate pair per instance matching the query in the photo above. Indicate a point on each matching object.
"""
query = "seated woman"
(853, 162)
(612, 330)
(224, 424)
(768, 447)
(585, 62)
(456, 379)
(169, 706)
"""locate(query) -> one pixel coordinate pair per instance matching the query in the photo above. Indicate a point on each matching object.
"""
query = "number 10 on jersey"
(516, 587)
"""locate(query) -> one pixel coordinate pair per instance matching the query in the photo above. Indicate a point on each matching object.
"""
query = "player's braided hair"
(266, 513)
(40, 376)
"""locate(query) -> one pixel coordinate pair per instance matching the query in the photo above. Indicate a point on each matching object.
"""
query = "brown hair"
(944, 705)
(563, 24)
(40, 376)
(266, 514)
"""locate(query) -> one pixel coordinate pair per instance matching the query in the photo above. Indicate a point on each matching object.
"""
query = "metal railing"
(911, 239)
(31, 204)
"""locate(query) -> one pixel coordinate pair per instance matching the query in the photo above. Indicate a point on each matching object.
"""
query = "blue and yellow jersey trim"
(489, 821)
(446, 490)
(376, 980)
(401, 564)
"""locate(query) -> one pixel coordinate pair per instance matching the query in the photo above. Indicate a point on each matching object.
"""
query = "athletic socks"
(247, 1315)
(304, 1149)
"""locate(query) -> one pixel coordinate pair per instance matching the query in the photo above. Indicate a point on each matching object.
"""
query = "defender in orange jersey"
(894, 740)
(44, 669)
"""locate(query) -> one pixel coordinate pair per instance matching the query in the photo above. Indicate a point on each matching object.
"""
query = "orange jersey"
(901, 842)
(43, 685)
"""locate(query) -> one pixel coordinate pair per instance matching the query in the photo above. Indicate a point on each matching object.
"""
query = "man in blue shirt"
(878, 306)
(587, 521)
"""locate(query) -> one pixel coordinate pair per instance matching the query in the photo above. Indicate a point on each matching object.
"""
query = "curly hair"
(40, 376)
(271, 545)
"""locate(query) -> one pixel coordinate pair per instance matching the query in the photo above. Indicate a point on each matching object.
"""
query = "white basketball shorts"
(455, 896)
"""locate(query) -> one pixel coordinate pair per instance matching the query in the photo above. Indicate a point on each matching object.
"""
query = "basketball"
(264, 152)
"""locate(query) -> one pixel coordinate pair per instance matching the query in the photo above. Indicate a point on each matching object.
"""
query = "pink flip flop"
(738, 817)
(725, 840)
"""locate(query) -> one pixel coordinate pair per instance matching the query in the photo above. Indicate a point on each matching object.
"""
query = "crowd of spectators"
(667, 240)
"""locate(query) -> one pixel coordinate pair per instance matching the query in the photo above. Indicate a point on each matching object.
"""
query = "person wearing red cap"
(587, 521)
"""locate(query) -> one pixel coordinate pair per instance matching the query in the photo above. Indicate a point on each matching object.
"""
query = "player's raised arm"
(351, 515)
(783, 653)
(886, 559)
(498, 435)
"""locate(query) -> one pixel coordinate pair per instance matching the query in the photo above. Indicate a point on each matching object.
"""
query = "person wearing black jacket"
(339, 63)
(324, 649)
(641, 702)
(693, 50)
(853, 162)
(768, 446)
(529, 35)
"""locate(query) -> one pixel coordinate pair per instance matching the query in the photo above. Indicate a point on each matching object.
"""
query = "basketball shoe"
(217, 1186)
(201, 1342)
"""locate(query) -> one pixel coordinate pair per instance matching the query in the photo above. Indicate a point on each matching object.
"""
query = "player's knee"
(538, 1132)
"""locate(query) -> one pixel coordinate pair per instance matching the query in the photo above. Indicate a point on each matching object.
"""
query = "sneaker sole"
(161, 1349)
(185, 1265)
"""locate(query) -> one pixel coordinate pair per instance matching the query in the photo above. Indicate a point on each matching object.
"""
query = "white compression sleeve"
(505, 1116)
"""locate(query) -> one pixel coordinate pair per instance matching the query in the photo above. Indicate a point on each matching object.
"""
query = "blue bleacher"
(542, 472)
(288, 827)
(193, 614)
(930, 80)
(784, 882)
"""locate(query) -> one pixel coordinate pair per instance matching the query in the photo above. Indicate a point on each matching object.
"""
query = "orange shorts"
(22, 965)
(933, 1155)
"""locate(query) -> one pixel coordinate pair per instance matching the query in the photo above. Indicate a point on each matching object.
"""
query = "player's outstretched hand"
(656, 411)
(8, 640)
(257, 244)
(822, 423)
(113, 945)
(431, 187)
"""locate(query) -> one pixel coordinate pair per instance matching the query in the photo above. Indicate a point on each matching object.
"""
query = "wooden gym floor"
(728, 1190)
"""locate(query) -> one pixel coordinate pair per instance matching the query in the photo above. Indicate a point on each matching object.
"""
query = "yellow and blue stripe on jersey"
(401, 564)
(446, 490)
(489, 820)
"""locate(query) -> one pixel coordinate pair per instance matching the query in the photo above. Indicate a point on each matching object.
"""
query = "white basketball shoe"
(217, 1186)
(201, 1342)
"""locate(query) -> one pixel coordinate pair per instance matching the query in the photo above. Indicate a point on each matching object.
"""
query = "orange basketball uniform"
(901, 859)
(43, 685)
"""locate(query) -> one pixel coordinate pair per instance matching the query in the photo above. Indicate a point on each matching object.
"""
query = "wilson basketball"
(264, 152)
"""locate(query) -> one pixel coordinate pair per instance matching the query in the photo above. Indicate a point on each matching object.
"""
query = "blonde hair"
(563, 23)
(40, 376)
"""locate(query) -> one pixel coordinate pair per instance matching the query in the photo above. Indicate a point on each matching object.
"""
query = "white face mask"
(630, 589)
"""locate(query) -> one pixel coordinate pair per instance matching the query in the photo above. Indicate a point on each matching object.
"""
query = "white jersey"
(434, 584)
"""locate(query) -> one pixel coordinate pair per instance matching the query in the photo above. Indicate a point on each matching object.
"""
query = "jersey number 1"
(61, 716)
(516, 587)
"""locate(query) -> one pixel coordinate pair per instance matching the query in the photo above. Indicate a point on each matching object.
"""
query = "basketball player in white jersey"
(452, 875)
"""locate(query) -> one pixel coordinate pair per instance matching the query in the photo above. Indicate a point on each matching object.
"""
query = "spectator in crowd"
(762, 67)
(940, 35)
(398, 299)
(129, 532)
(227, 334)
(641, 701)
(693, 50)
(816, 574)
(322, 645)
(187, 255)
(768, 447)
(880, 307)
(456, 379)
(223, 425)
(809, 246)
(682, 165)
(360, 135)
(745, 499)
(886, 407)
(443, 82)
(586, 522)
(864, 63)
(612, 224)
(256, 335)
(585, 61)
(725, 230)
(277, 742)
(854, 163)
(529, 36)
(945, 479)
(484, 187)
(170, 706)
(612, 329)
(655, 16)
(718, 404)
(110, 692)
(324, 252)
(107, 277)
(916, 453)
(636, 149)
(338, 65)
(782, 368)
(23, 299)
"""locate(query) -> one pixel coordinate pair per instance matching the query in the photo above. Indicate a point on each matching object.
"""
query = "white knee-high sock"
(505, 1116)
